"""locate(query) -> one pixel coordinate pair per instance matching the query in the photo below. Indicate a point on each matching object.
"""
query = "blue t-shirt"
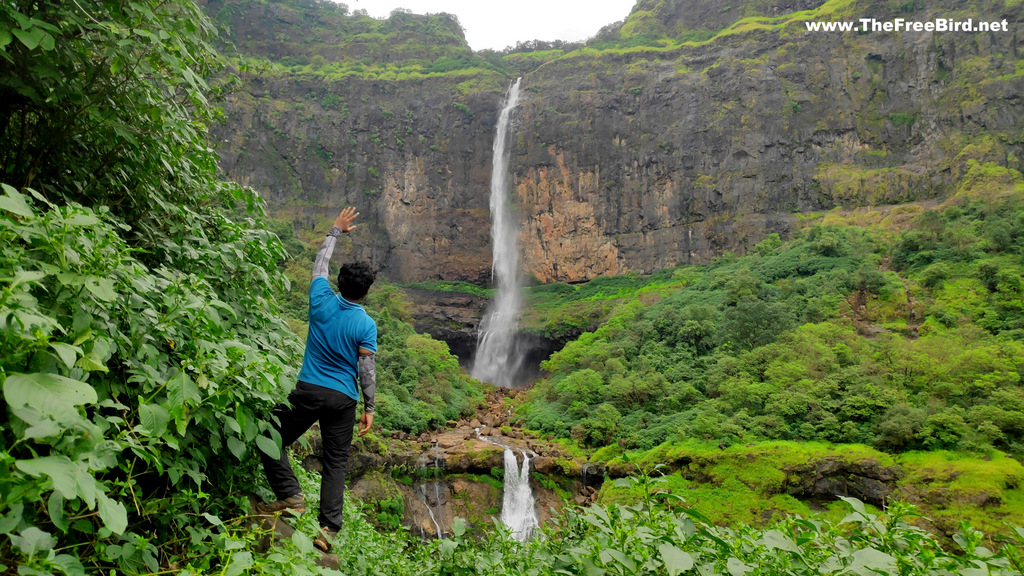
(337, 330)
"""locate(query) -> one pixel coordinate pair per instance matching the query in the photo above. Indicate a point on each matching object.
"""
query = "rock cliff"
(695, 130)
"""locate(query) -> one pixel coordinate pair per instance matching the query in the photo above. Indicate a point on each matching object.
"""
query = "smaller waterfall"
(518, 510)
(517, 507)
(430, 493)
(430, 496)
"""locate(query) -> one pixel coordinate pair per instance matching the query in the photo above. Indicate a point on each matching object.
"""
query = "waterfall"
(518, 511)
(430, 508)
(496, 359)
(517, 508)
(430, 494)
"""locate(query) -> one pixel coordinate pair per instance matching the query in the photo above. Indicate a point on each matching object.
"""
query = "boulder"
(545, 465)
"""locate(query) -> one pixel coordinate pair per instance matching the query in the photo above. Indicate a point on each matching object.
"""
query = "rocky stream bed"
(458, 472)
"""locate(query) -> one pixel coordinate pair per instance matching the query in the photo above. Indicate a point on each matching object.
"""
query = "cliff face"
(643, 157)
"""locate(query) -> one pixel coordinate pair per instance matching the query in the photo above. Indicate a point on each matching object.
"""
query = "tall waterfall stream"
(496, 360)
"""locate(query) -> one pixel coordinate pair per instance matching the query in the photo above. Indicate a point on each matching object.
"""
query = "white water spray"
(496, 360)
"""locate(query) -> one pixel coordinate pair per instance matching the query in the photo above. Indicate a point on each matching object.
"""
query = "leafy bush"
(129, 390)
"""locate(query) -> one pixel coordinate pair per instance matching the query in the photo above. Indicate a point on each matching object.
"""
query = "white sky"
(493, 24)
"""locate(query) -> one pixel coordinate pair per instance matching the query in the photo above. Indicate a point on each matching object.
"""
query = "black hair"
(355, 279)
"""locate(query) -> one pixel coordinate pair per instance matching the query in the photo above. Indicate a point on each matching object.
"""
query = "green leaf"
(76, 220)
(448, 547)
(60, 469)
(459, 526)
(269, 447)
(5, 37)
(26, 276)
(609, 554)
(776, 540)
(591, 569)
(89, 364)
(302, 542)
(10, 521)
(32, 540)
(676, 560)
(154, 419)
(112, 512)
(236, 447)
(14, 202)
(181, 390)
(30, 38)
(55, 508)
(736, 567)
(47, 43)
(39, 429)
(102, 288)
(66, 352)
(47, 393)
(875, 560)
(240, 562)
(857, 505)
(70, 565)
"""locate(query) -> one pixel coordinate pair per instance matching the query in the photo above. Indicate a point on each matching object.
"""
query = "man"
(340, 348)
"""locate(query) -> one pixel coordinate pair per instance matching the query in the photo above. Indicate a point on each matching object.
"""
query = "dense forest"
(151, 312)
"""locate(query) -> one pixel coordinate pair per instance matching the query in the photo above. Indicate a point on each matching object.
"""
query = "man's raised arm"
(342, 224)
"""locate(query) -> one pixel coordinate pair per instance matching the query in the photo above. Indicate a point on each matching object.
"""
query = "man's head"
(354, 280)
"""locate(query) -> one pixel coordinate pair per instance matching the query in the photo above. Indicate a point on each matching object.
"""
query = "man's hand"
(365, 423)
(345, 219)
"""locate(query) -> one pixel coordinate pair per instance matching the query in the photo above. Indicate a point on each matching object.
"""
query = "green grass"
(747, 485)
(985, 490)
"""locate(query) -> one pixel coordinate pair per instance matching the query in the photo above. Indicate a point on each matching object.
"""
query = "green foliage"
(767, 346)
(660, 534)
(453, 286)
(898, 119)
(109, 107)
(140, 342)
(464, 109)
(125, 384)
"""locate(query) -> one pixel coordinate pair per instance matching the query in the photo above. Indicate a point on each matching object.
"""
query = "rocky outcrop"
(452, 317)
(827, 479)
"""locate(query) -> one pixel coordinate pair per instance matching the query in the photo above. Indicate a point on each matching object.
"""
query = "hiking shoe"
(295, 504)
(324, 539)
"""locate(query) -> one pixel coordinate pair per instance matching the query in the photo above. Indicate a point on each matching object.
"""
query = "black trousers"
(336, 413)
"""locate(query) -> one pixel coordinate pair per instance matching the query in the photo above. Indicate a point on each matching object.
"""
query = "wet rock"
(829, 478)
(545, 465)
(474, 456)
(330, 561)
